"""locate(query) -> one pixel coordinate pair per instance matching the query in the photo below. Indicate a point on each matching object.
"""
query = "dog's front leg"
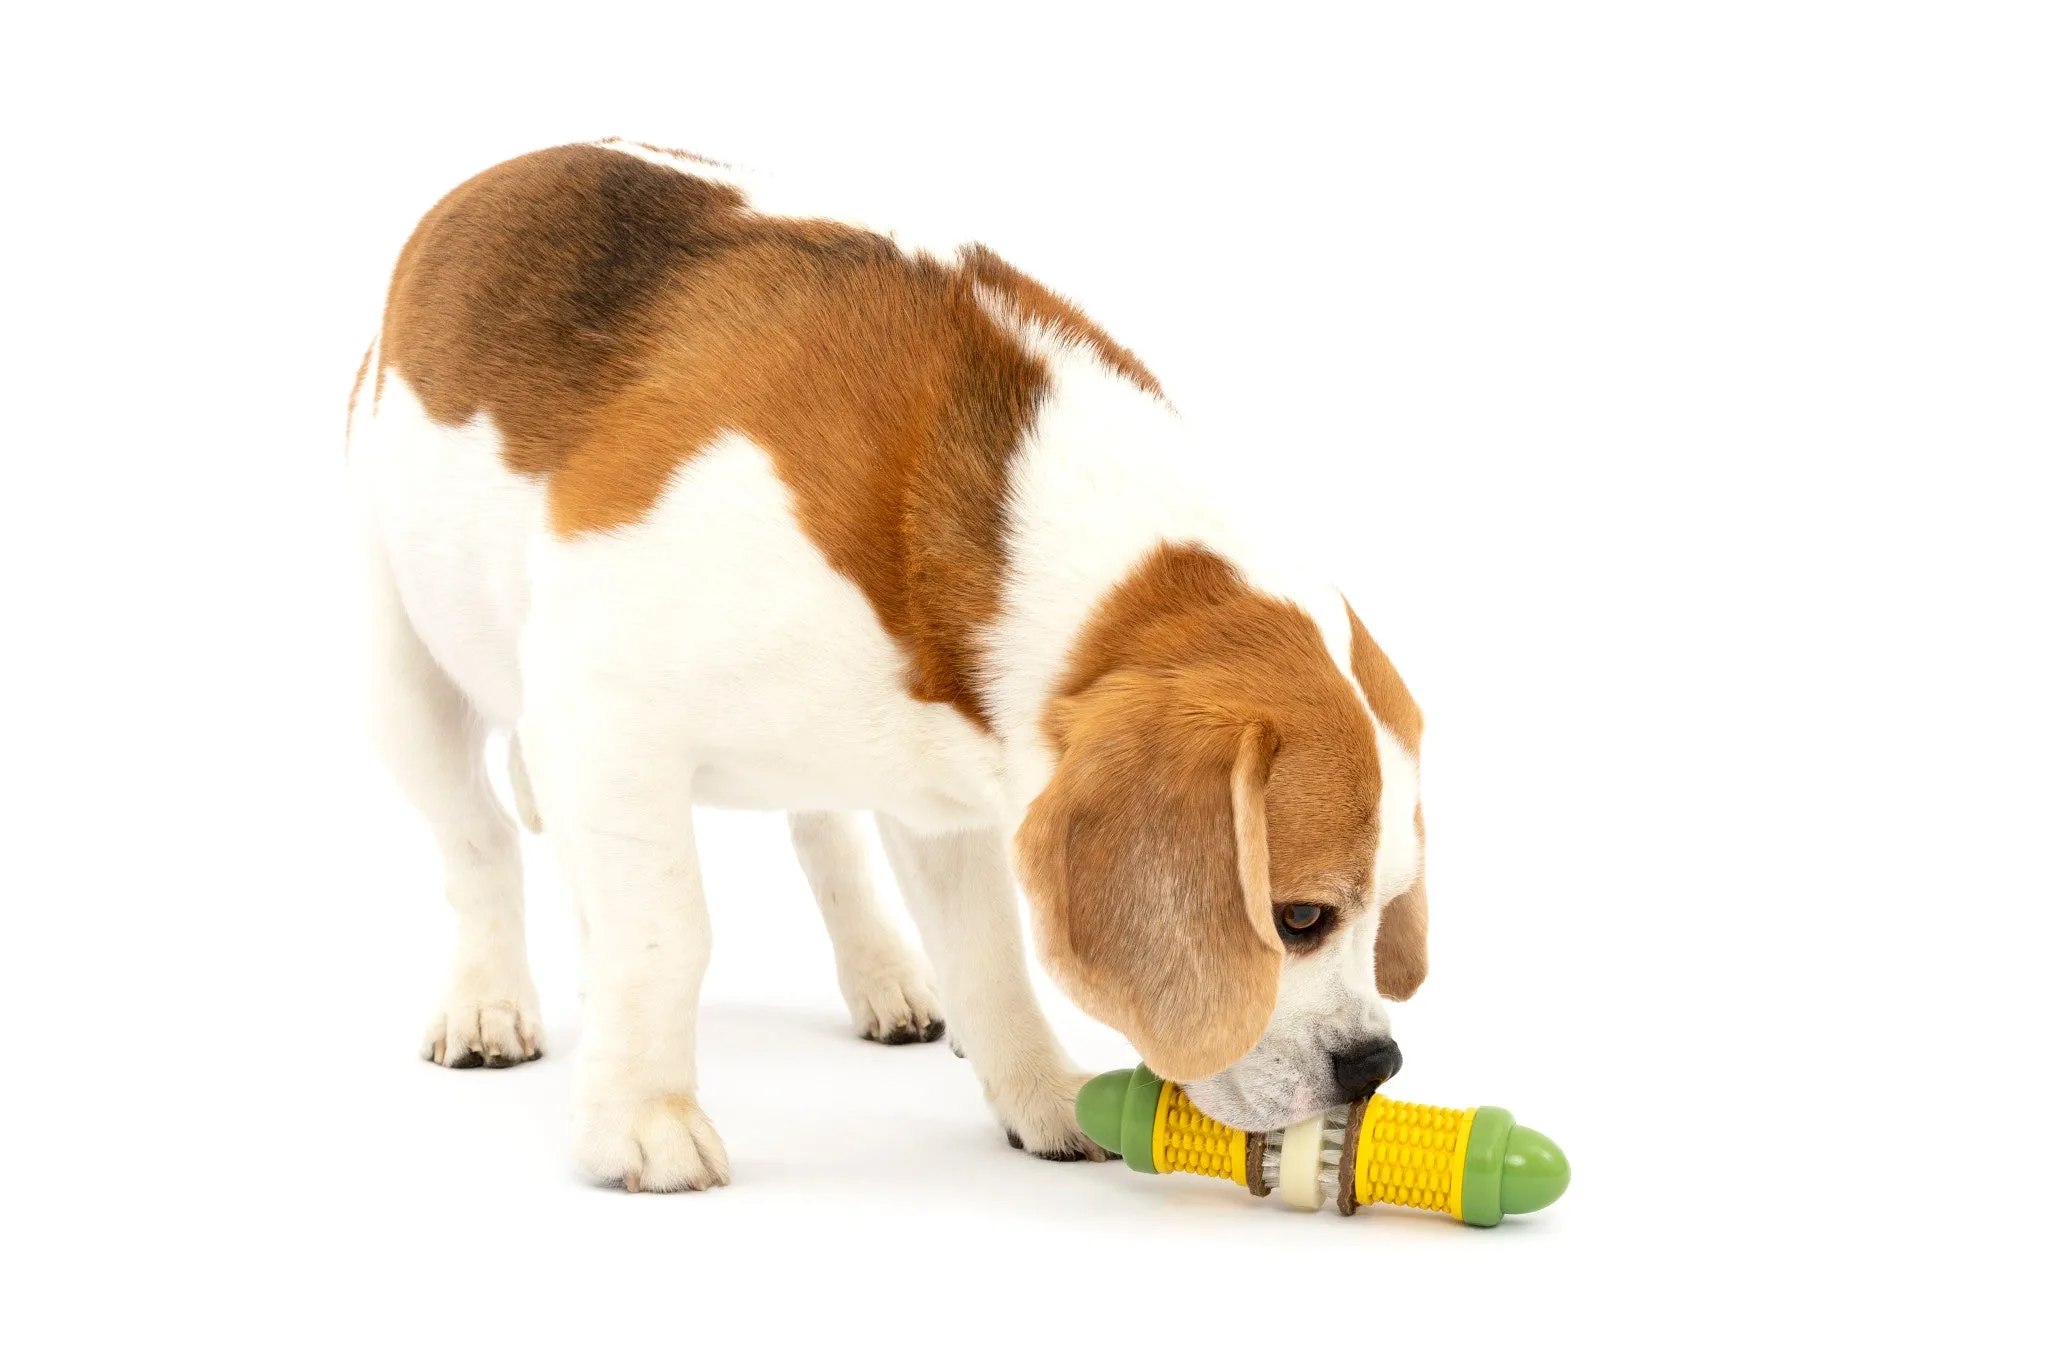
(958, 890)
(618, 809)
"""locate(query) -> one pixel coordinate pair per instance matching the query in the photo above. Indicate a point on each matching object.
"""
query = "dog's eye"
(1300, 921)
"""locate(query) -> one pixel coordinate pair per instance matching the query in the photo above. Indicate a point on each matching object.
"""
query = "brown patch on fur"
(1401, 952)
(1136, 853)
(526, 292)
(613, 317)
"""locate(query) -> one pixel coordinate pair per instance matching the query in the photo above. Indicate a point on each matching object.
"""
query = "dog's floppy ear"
(1145, 862)
(1401, 952)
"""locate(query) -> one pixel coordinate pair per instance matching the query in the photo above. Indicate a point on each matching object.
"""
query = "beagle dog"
(707, 505)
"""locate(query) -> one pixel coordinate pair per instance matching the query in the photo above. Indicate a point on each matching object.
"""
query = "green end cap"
(1535, 1174)
(1509, 1169)
(1116, 1110)
(1099, 1109)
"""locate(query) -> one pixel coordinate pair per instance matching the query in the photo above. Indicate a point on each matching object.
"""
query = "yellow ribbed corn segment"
(1413, 1155)
(1186, 1139)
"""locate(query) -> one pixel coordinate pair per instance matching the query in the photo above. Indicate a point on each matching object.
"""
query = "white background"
(1669, 381)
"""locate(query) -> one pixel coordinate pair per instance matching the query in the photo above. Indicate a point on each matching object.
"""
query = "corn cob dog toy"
(1474, 1164)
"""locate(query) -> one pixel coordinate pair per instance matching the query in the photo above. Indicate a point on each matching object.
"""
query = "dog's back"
(612, 313)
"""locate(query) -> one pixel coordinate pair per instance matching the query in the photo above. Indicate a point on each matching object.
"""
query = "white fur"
(455, 524)
(1092, 492)
(430, 722)
(708, 654)
(1398, 857)
(786, 692)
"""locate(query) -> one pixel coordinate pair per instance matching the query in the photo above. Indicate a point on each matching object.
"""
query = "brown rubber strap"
(1347, 1164)
(1255, 1164)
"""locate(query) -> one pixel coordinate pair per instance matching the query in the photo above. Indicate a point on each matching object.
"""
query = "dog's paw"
(892, 1001)
(661, 1144)
(1037, 1115)
(494, 1031)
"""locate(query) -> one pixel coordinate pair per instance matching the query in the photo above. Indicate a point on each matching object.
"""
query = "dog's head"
(1226, 865)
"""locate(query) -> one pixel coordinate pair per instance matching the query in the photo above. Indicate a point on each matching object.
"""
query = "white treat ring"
(1301, 1164)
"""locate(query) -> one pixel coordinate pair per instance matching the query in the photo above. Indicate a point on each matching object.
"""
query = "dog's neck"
(1099, 483)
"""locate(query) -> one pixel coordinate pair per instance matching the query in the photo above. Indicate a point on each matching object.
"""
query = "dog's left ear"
(1145, 861)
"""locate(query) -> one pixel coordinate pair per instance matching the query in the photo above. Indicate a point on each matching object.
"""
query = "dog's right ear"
(1145, 862)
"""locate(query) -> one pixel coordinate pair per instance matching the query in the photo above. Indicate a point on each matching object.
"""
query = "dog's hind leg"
(888, 990)
(433, 743)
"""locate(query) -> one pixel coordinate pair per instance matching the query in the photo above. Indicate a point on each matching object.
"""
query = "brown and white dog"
(712, 506)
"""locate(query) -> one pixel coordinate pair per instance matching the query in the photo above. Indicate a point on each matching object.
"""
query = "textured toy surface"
(1473, 1164)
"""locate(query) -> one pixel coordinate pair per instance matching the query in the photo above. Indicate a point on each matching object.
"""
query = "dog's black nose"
(1362, 1070)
